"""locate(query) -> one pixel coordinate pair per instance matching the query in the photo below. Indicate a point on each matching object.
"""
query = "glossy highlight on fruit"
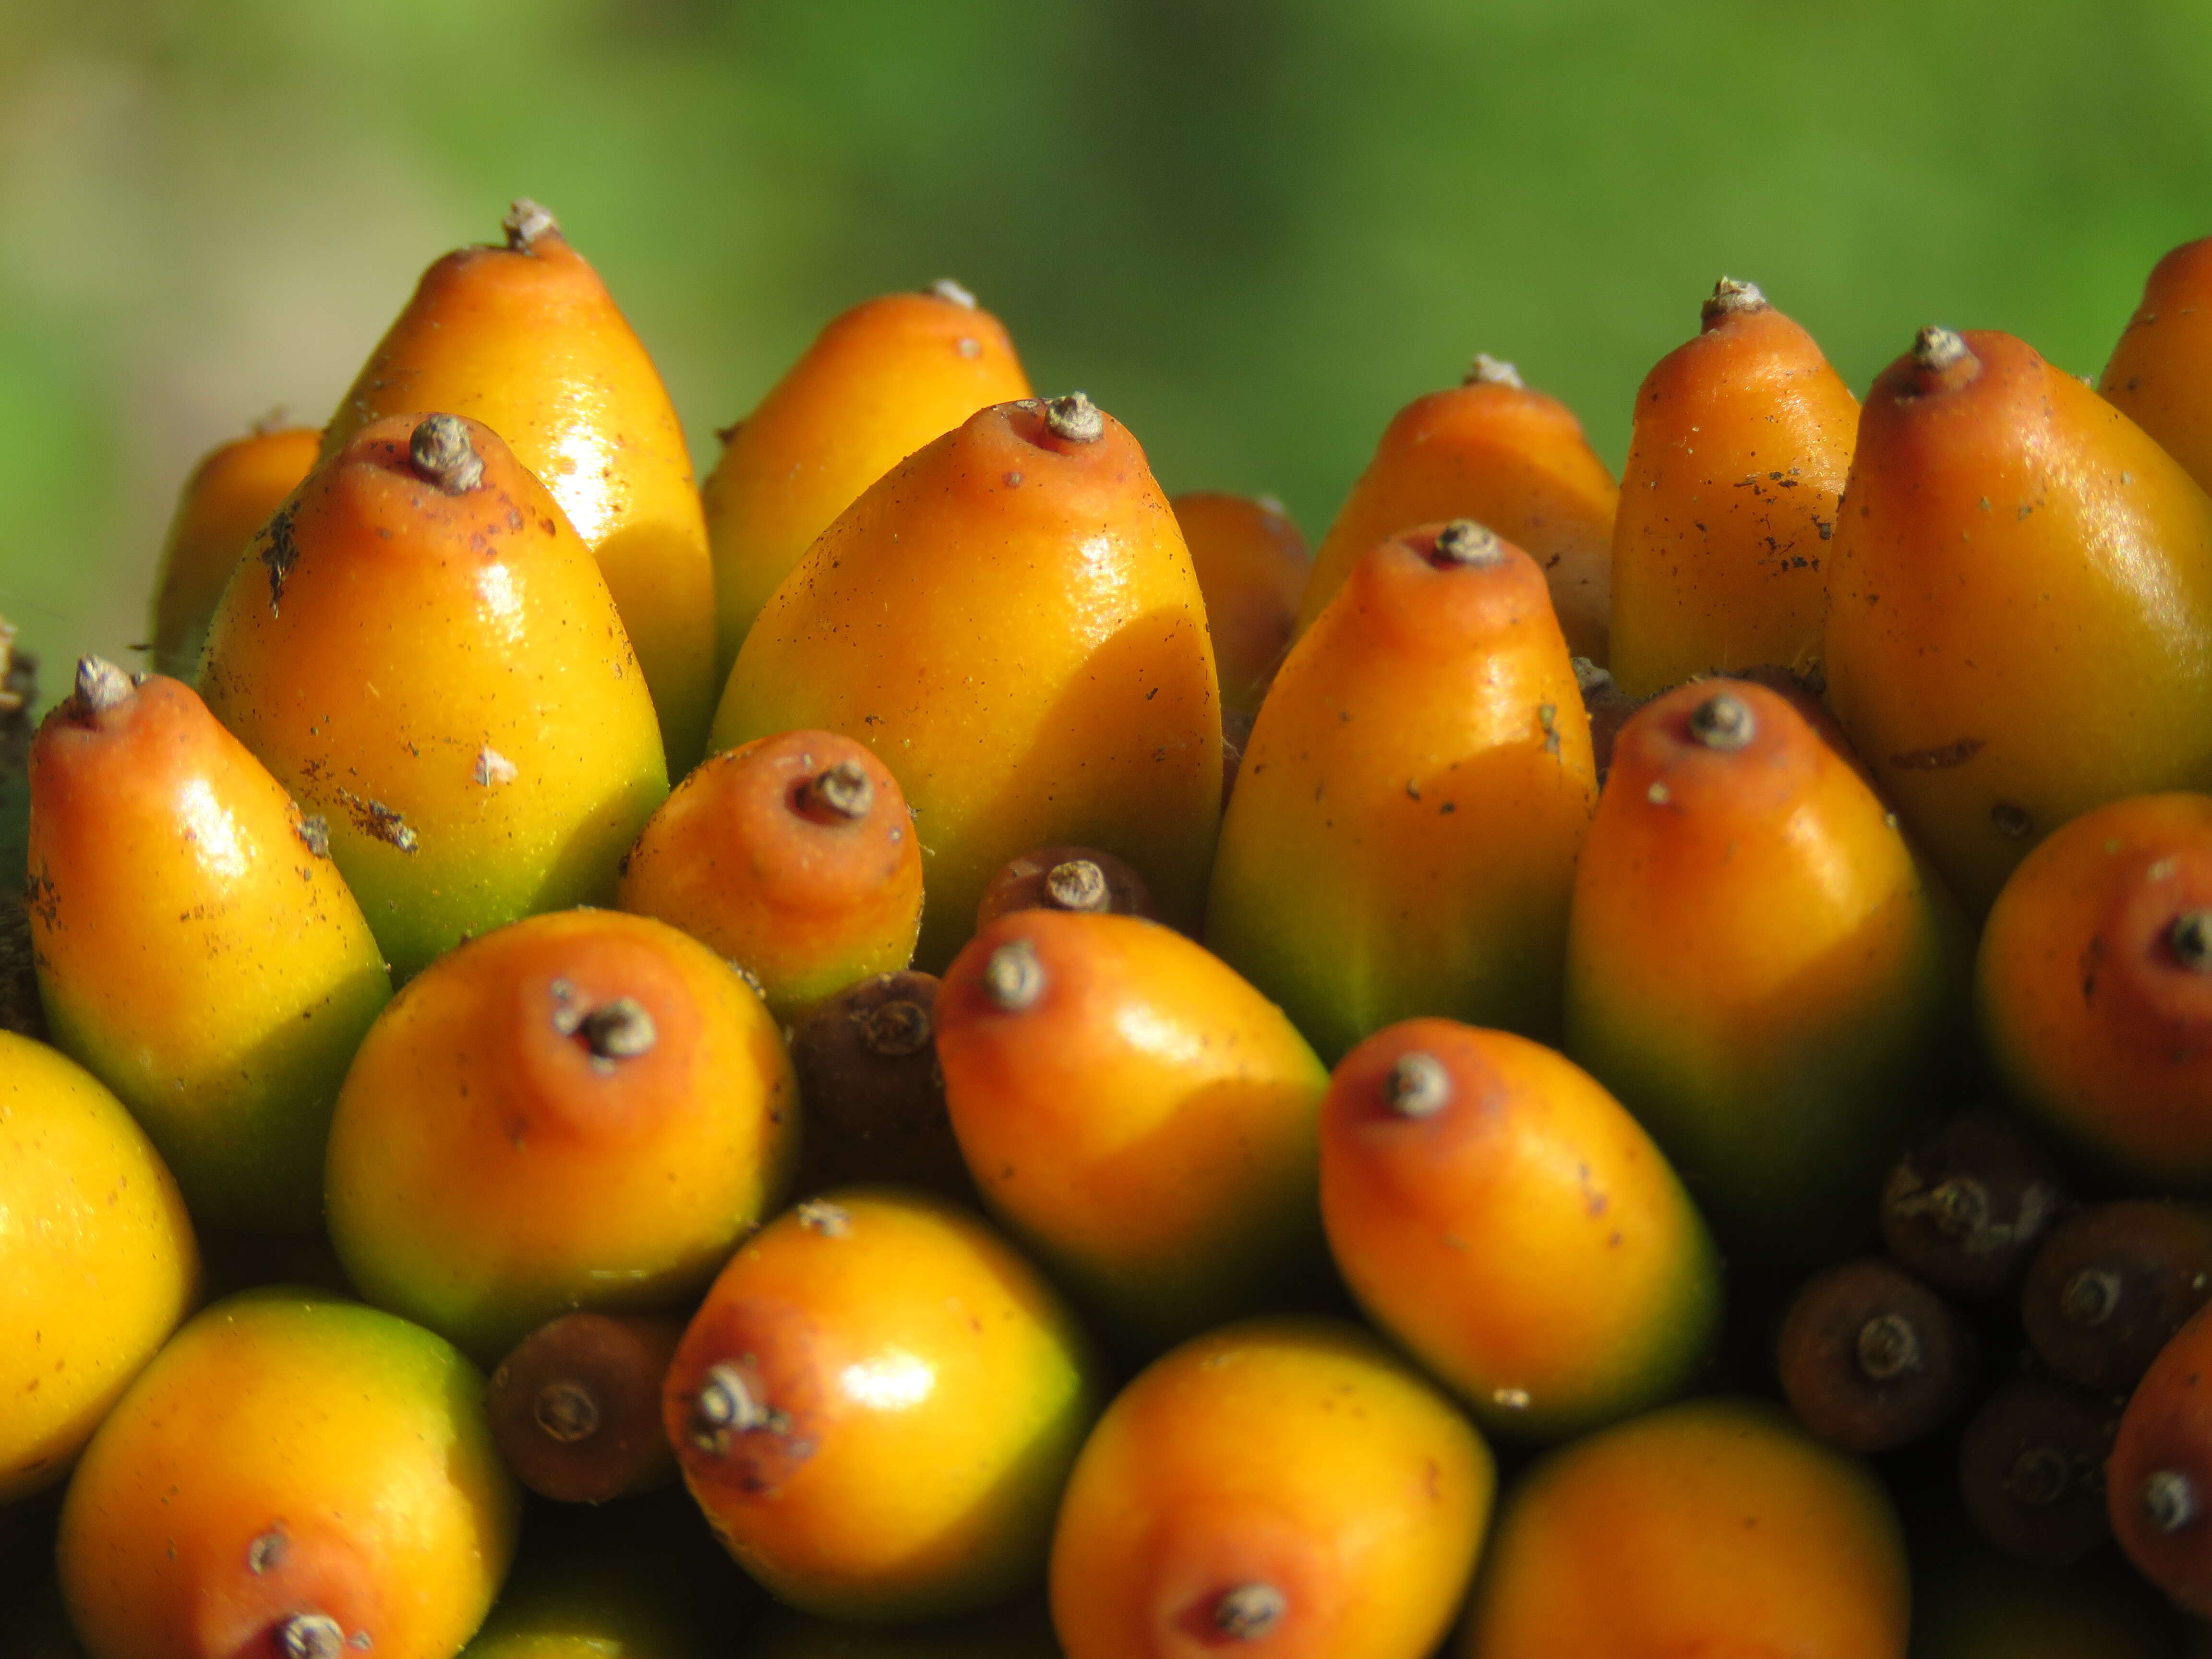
(1743, 437)
(1137, 1115)
(424, 654)
(197, 948)
(881, 380)
(525, 337)
(1009, 620)
(2016, 562)
(1287, 1484)
(1403, 834)
(877, 1408)
(1493, 450)
(1500, 1214)
(98, 1263)
(292, 1475)
(586, 1109)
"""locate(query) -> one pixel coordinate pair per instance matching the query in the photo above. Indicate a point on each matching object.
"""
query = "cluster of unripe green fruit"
(1470, 990)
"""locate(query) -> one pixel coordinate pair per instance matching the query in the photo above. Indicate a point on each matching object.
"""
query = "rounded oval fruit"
(586, 1109)
(98, 1263)
(293, 1476)
(2158, 1482)
(1138, 1116)
(1712, 1527)
(2111, 1286)
(877, 1406)
(1871, 1358)
(792, 855)
(575, 1405)
(1500, 1214)
(1285, 1483)
(2094, 985)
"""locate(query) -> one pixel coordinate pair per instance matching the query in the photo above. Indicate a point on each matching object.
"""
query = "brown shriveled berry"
(1967, 1207)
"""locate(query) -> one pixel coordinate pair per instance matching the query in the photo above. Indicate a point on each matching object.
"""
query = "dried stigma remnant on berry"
(896, 1029)
(1722, 721)
(525, 222)
(310, 1636)
(1249, 1612)
(2090, 1297)
(843, 792)
(1938, 348)
(442, 454)
(1075, 419)
(566, 1409)
(1013, 978)
(1487, 370)
(1419, 1086)
(1464, 542)
(1730, 296)
(726, 1406)
(1889, 1347)
(100, 686)
(621, 1030)
(2168, 1499)
(1078, 885)
(945, 289)
(2191, 940)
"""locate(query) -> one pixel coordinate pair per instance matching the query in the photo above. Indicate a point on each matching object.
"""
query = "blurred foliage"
(1251, 227)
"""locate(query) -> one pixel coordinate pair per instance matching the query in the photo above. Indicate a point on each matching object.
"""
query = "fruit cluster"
(1128, 1073)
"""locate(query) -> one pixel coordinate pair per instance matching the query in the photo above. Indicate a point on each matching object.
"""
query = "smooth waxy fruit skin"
(1506, 457)
(2020, 620)
(1009, 620)
(881, 380)
(2158, 1481)
(194, 950)
(581, 1110)
(526, 339)
(1712, 1527)
(98, 1263)
(2158, 369)
(443, 678)
(877, 1408)
(1743, 440)
(1755, 965)
(1142, 1118)
(1403, 834)
(2095, 1010)
(1289, 1479)
(286, 1455)
(1500, 1214)
(229, 496)
(792, 855)
(1252, 565)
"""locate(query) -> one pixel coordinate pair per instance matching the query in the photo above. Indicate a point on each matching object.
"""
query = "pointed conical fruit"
(2159, 368)
(1755, 965)
(1139, 1117)
(1743, 438)
(425, 655)
(2020, 620)
(881, 380)
(1492, 451)
(525, 338)
(197, 948)
(97, 1260)
(581, 1110)
(229, 496)
(293, 1477)
(1009, 620)
(1403, 834)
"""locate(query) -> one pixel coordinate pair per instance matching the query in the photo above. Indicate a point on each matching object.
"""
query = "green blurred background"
(1252, 228)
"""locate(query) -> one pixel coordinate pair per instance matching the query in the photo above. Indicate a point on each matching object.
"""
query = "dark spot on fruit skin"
(281, 553)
